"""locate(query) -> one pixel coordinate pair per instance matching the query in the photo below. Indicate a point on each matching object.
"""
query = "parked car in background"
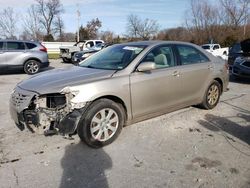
(241, 65)
(67, 52)
(234, 52)
(216, 50)
(23, 55)
(119, 85)
(81, 55)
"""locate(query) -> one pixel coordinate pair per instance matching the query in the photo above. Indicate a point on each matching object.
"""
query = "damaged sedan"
(120, 85)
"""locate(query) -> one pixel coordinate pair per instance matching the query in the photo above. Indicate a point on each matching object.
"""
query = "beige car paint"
(153, 92)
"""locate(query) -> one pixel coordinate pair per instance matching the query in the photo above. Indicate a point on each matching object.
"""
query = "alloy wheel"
(104, 124)
(32, 67)
(213, 95)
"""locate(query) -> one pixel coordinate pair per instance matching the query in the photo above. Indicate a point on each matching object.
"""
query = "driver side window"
(162, 56)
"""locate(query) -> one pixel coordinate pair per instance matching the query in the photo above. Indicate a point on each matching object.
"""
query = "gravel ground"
(187, 148)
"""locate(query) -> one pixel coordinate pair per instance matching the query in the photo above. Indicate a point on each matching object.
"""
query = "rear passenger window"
(30, 45)
(15, 46)
(190, 55)
(1, 45)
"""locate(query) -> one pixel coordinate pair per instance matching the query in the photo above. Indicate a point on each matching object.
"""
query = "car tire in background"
(66, 60)
(212, 95)
(101, 123)
(31, 67)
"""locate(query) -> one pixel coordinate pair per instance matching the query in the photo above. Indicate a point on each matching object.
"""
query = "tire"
(212, 95)
(31, 67)
(66, 60)
(101, 123)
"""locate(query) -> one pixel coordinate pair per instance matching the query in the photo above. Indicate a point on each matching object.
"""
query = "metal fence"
(53, 47)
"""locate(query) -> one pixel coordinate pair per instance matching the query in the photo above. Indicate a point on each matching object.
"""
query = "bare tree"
(90, 31)
(133, 23)
(69, 37)
(31, 24)
(59, 27)
(235, 12)
(48, 11)
(148, 28)
(92, 27)
(143, 29)
(203, 21)
(8, 21)
(179, 34)
(107, 36)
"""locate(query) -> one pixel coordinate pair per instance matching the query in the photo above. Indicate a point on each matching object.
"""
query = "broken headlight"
(55, 100)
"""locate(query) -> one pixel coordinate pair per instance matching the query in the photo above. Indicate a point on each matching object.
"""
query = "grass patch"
(53, 56)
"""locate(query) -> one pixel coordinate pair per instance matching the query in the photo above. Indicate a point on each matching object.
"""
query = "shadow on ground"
(225, 124)
(11, 72)
(84, 167)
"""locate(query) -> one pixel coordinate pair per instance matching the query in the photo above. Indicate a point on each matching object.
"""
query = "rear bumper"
(44, 64)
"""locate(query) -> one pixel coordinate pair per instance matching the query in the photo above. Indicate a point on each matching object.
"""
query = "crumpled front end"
(45, 114)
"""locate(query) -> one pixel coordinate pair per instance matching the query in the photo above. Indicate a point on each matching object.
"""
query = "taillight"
(43, 49)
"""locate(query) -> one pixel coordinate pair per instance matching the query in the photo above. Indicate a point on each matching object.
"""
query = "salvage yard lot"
(187, 148)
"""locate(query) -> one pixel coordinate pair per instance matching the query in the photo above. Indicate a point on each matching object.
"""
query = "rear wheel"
(102, 123)
(212, 95)
(66, 60)
(31, 67)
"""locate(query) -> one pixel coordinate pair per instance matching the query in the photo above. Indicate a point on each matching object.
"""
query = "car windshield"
(236, 48)
(113, 58)
(206, 47)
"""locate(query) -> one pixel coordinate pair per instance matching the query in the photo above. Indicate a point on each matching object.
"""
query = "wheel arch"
(117, 100)
(220, 82)
(31, 58)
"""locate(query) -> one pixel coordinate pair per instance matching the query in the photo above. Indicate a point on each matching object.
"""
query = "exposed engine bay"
(48, 114)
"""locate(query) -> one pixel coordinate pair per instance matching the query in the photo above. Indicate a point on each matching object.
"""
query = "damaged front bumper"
(45, 114)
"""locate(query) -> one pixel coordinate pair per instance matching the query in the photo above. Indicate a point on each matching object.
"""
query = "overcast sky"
(113, 13)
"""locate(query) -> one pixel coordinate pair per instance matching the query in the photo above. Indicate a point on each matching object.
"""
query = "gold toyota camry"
(120, 85)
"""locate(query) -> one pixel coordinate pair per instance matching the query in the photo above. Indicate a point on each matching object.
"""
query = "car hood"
(55, 80)
(245, 45)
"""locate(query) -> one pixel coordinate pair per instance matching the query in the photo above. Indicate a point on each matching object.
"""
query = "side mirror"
(146, 66)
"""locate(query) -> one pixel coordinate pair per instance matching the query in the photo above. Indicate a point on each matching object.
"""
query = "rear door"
(15, 52)
(2, 54)
(195, 72)
(154, 91)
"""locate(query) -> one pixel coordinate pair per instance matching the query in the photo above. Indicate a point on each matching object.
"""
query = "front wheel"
(31, 67)
(212, 95)
(102, 123)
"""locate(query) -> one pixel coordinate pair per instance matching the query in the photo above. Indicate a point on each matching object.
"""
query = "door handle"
(210, 67)
(176, 73)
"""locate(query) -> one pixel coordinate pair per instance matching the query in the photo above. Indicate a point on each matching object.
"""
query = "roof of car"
(155, 42)
(13, 40)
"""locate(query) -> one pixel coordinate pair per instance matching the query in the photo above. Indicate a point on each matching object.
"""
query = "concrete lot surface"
(187, 148)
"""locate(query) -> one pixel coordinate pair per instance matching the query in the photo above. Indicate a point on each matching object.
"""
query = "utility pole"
(78, 14)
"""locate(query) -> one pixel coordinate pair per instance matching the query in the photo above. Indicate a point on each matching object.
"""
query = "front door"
(158, 89)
